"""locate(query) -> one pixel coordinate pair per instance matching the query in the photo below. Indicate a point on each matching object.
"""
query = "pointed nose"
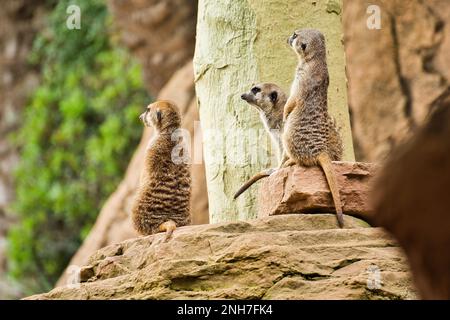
(141, 117)
(290, 40)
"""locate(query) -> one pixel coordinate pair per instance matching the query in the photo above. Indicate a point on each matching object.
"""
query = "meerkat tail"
(252, 180)
(169, 226)
(325, 163)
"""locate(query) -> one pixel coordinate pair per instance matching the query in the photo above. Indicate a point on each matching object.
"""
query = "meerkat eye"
(255, 90)
(273, 96)
(294, 36)
(303, 45)
(158, 115)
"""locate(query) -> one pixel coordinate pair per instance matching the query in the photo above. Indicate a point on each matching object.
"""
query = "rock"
(160, 33)
(387, 103)
(113, 223)
(304, 189)
(411, 201)
(282, 257)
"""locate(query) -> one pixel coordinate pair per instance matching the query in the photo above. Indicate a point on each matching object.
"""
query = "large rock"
(411, 201)
(304, 189)
(283, 257)
(160, 33)
(397, 73)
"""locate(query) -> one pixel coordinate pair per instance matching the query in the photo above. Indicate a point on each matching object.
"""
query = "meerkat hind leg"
(284, 159)
(288, 163)
(327, 167)
(169, 226)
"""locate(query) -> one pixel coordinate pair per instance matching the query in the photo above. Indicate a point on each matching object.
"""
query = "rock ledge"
(301, 256)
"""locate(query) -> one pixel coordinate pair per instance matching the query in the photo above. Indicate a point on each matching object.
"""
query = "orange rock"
(304, 189)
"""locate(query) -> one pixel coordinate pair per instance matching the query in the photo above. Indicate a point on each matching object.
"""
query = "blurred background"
(69, 102)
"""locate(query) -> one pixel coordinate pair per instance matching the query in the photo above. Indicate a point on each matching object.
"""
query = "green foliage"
(78, 134)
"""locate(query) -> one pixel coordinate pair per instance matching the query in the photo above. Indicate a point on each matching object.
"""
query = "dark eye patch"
(273, 96)
(158, 115)
(255, 90)
(294, 36)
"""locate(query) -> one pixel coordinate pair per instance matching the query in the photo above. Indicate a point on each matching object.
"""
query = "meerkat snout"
(291, 39)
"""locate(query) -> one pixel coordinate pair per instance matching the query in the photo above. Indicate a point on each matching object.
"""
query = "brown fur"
(269, 99)
(411, 200)
(310, 136)
(162, 200)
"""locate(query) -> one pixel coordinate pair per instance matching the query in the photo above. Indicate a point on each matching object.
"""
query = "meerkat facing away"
(310, 136)
(269, 100)
(162, 200)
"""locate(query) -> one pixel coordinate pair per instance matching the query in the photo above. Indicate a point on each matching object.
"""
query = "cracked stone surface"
(298, 189)
(396, 73)
(298, 256)
(160, 33)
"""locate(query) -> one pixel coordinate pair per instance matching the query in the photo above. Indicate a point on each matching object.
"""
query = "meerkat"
(310, 136)
(163, 196)
(269, 100)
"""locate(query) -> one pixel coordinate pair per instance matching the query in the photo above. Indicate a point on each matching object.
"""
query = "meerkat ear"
(273, 96)
(303, 45)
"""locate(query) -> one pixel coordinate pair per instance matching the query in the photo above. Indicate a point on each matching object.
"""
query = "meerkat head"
(161, 115)
(266, 97)
(308, 44)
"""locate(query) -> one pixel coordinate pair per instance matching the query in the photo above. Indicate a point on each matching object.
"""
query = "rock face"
(284, 257)
(411, 201)
(160, 33)
(395, 73)
(304, 189)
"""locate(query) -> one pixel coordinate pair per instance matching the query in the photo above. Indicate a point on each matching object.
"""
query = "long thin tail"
(169, 226)
(252, 180)
(327, 167)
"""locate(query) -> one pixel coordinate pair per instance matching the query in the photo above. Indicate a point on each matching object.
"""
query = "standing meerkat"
(162, 201)
(269, 100)
(310, 136)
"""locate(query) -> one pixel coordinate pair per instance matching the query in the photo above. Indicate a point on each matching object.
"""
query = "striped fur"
(165, 187)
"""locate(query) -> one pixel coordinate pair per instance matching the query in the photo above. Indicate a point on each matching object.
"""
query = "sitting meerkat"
(163, 197)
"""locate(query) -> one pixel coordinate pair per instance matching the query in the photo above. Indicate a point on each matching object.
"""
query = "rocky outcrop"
(160, 33)
(304, 189)
(411, 201)
(395, 73)
(113, 223)
(284, 257)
